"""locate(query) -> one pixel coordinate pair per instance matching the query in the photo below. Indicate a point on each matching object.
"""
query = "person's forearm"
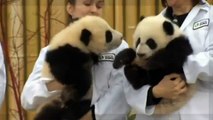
(54, 85)
(35, 93)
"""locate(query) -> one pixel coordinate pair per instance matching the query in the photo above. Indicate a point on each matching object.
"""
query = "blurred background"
(27, 25)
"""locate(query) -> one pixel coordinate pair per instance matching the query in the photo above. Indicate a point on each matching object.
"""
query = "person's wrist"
(54, 85)
(156, 92)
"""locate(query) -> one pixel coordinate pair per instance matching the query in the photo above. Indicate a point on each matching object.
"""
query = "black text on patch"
(200, 24)
(107, 57)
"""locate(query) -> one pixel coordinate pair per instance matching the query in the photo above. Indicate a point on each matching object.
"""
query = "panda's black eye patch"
(137, 42)
(151, 43)
(108, 36)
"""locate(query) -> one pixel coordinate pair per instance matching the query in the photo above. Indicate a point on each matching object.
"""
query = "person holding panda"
(107, 98)
(108, 92)
(195, 19)
(2, 76)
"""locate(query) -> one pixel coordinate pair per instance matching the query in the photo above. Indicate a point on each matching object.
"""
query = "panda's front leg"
(136, 75)
(79, 110)
(124, 57)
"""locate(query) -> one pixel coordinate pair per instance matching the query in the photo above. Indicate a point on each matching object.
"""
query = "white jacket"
(2, 77)
(108, 96)
(198, 68)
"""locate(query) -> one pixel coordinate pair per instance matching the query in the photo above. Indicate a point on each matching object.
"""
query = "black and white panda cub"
(160, 48)
(69, 59)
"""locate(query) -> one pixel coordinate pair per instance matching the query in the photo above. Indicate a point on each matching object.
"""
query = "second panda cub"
(160, 48)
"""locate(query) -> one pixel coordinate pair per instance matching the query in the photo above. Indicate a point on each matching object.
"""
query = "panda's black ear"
(168, 28)
(141, 18)
(85, 36)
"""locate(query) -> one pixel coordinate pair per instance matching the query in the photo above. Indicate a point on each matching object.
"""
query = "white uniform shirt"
(198, 26)
(2, 77)
(108, 96)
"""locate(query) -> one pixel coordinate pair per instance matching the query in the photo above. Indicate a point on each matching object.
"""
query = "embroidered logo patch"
(200, 24)
(107, 57)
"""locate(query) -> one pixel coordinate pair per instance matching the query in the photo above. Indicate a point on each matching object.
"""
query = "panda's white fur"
(150, 25)
(99, 37)
(70, 35)
(146, 29)
(152, 28)
(96, 26)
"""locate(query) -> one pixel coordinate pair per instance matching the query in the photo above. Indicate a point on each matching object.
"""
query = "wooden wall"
(28, 26)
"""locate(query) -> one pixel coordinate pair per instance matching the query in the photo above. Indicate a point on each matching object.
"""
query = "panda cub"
(160, 48)
(70, 56)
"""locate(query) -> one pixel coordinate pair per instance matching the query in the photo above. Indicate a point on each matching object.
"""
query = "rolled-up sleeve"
(137, 99)
(35, 91)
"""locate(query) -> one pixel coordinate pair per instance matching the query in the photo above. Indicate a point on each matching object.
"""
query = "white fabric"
(108, 95)
(203, 1)
(137, 99)
(198, 68)
(2, 77)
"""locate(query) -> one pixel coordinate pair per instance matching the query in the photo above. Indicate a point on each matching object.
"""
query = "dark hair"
(72, 2)
(71, 19)
(164, 3)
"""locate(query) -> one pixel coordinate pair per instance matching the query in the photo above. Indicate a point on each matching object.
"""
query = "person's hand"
(170, 87)
(54, 85)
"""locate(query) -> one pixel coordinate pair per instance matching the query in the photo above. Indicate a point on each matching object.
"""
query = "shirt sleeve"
(200, 65)
(2, 76)
(35, 91)
(137, 99)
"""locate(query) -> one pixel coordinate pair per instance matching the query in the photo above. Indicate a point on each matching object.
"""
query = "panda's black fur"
(72, 60)
(163, 62)
(141, 70)
(70, 56)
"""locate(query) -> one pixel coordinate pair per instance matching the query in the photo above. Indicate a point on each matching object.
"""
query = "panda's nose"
(140, 54)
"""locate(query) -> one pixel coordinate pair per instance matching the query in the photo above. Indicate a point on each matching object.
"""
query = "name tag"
(107, 57)
(200, 24)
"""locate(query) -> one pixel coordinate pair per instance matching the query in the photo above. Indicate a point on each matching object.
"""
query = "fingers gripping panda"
(69, 59)
(160, 48)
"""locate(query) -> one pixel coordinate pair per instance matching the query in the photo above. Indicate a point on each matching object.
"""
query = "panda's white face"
(90, 34)
(152, 34)
(98, 36)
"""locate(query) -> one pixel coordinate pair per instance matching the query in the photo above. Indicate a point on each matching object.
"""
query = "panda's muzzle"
(141, 55)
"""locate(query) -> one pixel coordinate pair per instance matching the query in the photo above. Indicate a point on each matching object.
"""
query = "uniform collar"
(192, 13)
(201, 3)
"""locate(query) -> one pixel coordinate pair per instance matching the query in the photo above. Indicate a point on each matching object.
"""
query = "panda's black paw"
(50, 111)
(124, 57)
(78, 109)
(136, 76)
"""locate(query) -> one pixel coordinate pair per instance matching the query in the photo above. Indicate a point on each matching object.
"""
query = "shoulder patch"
(107, 57)
(201, 23)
